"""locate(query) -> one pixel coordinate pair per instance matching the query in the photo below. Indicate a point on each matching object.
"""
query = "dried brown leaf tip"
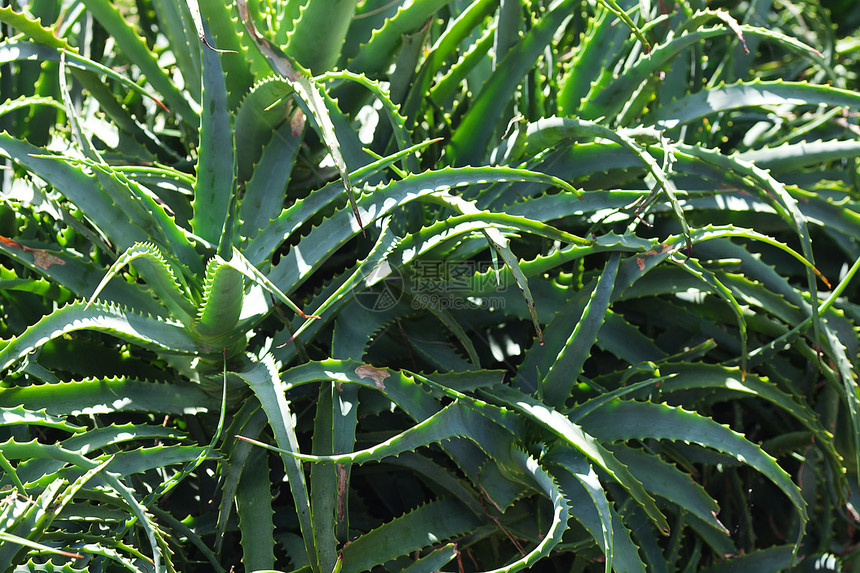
(41, 258)
(342, 482)
(44, 259)
(377, 374)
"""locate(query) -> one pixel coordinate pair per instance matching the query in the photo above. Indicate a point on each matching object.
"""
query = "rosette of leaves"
(646, 311)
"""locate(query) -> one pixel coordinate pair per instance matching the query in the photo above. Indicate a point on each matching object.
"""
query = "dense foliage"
(434, 285)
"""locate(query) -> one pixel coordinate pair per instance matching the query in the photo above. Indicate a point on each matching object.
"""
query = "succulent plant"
(423, 286)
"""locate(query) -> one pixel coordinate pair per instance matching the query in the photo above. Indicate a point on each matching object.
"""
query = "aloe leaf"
(785, 204)
(144, 330)
(544, 132)
(607, 100)
(592, 509)
(434, 561)
(625, 419)
(691, 376)
(26, 101)
(442, 91)
(793, 156)
(398, 123)
(78, 187)
(293, 217)
(15, 50)
(108, 436)
(549, 539)
(108, 549)
(317, 36)
(147, 211)
(11, 416)
(248, 421)
(710, 279)
(141, 460)
(625, 553)
(454, 420)
(770, 560)
(354, 326)
(626, 341)
(747, 94)
(177, 26)
(667, 481)
(142, 209)
(244, 266)
(600, 46)
(264, 191)
(28, 523)
(662, 250)
(266, 384)
(63, 267)
(413, 398)
(226, 39)
(539, 358)
(562, 375)
(221, 305)
(254, 506)
(216, 164)
(451, 421)
(309, 98)
(502, 246)
(82, 140)
(15, 450)
(329, 483)
(470, 140)
(103, 396)
(440, 475)
(444, 46)
(437, 520)
(405, 251)
(581, 440)
(137, 51)
(370, 271)
(848, 375)
(377, 204)
(376, 55)
(162, 279)
(619, 12)
(32, 28)
(40, 547)
(264, 112)
(204, 453)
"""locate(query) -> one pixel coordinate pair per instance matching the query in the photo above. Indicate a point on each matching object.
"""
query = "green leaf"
(219, 310)
(317, 36)
(747, 94)
(266, 384)
(582, 440)
(137, 51)
(770, 560)
(216, 164)
(144, 330)
(469, 142)
(20, 415)
(162, 279)
(433, 522)
(624, 420)
(310, 98)
(556, 386)
(254, 506)
(107, 395)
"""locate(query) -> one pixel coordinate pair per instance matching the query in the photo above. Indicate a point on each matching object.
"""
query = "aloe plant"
(427, 286)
